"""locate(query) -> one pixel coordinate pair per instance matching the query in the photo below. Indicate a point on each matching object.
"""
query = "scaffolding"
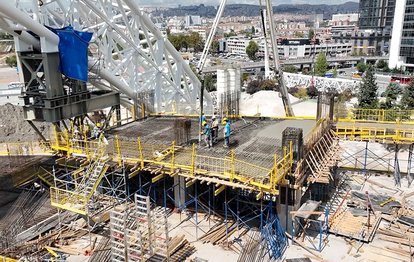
(138, 231)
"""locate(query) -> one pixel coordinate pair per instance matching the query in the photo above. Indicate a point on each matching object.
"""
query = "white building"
(191, 20)
(340, 19)
(237, 45)
(289, 48)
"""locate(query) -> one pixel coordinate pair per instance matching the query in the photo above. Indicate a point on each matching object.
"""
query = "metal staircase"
(75, 195)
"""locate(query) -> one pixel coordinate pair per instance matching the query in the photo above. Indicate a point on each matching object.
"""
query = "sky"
(216, 2)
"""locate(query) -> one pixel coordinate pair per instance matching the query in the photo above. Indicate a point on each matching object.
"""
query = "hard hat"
(98, 124)
(225, 119)
(213, 117)
(204, 123)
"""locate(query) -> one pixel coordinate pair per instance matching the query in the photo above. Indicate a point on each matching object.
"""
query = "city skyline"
(165, 3)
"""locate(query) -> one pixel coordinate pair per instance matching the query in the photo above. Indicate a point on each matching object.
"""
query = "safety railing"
(358, 133)
(375, 115)
(8, 259)
(69, 200)
(191, 161)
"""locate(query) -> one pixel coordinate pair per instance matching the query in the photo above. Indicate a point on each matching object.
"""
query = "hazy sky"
(216, 2)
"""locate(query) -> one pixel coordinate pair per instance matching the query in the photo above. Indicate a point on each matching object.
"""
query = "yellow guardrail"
(7, 259)
(357, 133)
(68, 200)
(188, 161)
(375, 115)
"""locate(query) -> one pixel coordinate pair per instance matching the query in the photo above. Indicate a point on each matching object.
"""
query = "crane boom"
(278, 73)
(210, 37)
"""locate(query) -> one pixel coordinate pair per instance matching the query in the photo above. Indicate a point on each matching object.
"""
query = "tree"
(268, 85)
(252, 49)
(321, 65)
(195, 41)
(311, 34)
(11, 61)
(253, 30)
(290, 69)
(301, 93)
(382, 64)
(312, 91)
(299, 34)
(335, 72)
(253, 87)
(367, 97)
(245, 77)
(361, 67)
(407, 100)
(209, 83)
(230, 34)
(391, 93)
(215, 45)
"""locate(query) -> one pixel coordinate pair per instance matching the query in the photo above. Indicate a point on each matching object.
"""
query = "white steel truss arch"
(321, 83)
(127, 52)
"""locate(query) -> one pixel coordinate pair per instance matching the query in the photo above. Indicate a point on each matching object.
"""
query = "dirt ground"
(13, 127)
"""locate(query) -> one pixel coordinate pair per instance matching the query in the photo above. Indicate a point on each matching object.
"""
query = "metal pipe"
(167, 45)
(16, 15)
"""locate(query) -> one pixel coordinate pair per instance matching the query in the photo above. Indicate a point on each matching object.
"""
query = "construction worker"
(214, 129)
(207, 134)
(202, 118)
(97, 130)
(227, 131)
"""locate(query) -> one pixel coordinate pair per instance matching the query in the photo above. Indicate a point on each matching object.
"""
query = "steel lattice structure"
(127, 53)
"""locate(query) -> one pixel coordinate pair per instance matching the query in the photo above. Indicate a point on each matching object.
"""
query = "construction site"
(116, 167)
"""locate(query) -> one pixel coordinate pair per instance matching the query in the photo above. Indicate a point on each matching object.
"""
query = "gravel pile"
(13, 127)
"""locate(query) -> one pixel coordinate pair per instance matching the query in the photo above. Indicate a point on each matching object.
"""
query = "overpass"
(296, 61)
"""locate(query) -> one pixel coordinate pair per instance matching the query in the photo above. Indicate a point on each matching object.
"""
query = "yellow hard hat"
(204, 123)
(225, 119)
(98, 124)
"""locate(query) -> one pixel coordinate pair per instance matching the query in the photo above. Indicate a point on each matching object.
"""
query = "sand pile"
(269, 103)
(13, 127)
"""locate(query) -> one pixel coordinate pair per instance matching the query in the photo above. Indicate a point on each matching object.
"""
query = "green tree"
(335, 72)
(226, 35)
(361, 67)
(245, 77)
(407, 100)
(312, 91)
(381, 64)
(253, 87)
(311, 34)
(252, 49)
(299, 34)
(195, 41)
(209, 83)
(214, 48)
(176, 41)
(301, 93)
(290, 69)
(321, 65)
(268, 85)
(391, 93)
(11, 61)
(367, 97)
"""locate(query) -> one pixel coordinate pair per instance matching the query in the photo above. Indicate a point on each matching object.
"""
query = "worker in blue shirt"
(207, 134)
(227, 131)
